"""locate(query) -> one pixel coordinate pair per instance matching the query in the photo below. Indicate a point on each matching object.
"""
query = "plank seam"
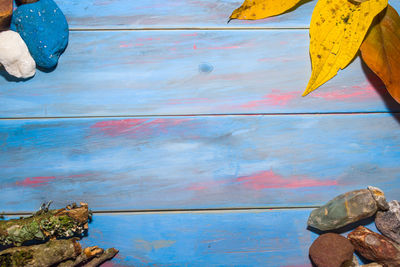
(205, 210)
(191, 29)
(206, 115)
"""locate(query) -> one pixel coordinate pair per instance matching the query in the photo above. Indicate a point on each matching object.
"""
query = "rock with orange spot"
(347, 208)
(6, 9)
(375, 247)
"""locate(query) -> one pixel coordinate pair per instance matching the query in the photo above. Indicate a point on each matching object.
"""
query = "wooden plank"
(196, 162)
(273, 238)
(117, 14)
(188, 72)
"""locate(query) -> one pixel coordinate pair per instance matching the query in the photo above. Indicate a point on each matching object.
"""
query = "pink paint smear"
(135, 127)
(264, 180)
(275, 98)
(44, 180)
(36, 181)
(269, 179)
(356, 92)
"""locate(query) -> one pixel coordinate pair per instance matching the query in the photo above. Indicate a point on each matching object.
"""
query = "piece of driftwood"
(61, 253)
(44, 225)
(47, 254)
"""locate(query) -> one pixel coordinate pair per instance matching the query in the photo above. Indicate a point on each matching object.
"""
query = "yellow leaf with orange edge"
(337, 30)
(381, 50)
(260, 9)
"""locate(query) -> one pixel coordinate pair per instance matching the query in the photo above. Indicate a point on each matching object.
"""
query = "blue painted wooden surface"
(191, 161)
(122, 14)
(275, 238)
(196, 162)
(188, 72)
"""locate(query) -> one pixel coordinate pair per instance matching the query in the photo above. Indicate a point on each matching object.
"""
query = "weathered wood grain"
(117, 14)
(188, 72)
(248, 238)
(276, 238)
(196, 162)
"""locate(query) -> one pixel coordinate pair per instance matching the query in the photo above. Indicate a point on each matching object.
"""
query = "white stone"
(15, 56)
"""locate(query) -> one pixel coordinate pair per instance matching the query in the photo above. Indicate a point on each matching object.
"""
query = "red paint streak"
(136, 126)
(356, 92)
(194, 47)
(276, 98)
(140, 44)
(36, 181)
(125, 45)
(269, 179)
(117, 127)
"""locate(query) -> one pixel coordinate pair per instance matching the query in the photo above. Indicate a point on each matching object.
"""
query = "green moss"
(22, 258)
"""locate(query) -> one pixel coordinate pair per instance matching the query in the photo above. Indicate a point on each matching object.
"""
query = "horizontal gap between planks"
(190, 29)
(204, 115)
(166, 211)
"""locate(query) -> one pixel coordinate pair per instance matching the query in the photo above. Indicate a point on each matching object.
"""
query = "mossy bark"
(48, 254)
(43, 225)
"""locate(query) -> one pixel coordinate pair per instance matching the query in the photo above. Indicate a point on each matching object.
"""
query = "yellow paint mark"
(326, 211)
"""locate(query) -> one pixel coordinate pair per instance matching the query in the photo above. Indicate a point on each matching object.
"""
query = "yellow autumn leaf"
(337, 30)
(260, 9)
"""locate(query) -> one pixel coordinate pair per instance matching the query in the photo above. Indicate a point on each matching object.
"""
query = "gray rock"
(343, 210)
(379, 197)
(388, 222)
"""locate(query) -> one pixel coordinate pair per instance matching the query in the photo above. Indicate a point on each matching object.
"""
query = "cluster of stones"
(334, 250)
(35, 34)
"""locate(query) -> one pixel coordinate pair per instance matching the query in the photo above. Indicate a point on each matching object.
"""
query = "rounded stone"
(388, 222)
(331, 250)
(14, 55)
(44, 29)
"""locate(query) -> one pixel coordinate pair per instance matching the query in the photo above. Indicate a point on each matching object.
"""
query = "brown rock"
(375, 247)
(27, 1)
(331, 250)
(6, 9)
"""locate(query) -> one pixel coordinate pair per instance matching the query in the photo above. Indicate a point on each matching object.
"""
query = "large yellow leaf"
(381, 50)
(337, 30)
(260, 9)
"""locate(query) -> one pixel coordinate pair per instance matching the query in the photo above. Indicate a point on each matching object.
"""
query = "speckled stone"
(44, 29)
(388, 222)
(375, 247)
(6, 9)
(14, 55)
(331, 250)
(343, 210)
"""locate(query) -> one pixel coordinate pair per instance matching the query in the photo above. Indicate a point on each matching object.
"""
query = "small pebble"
(345, 209)
(14, 55)
(6, 9)
(388, 222)
(44, 29)
(331, 250)
(375, 247)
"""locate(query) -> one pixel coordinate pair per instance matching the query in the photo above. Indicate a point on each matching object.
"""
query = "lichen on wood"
(44, 225)
(47, 254)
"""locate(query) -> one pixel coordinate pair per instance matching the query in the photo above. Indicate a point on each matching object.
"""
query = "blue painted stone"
(44, 29)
